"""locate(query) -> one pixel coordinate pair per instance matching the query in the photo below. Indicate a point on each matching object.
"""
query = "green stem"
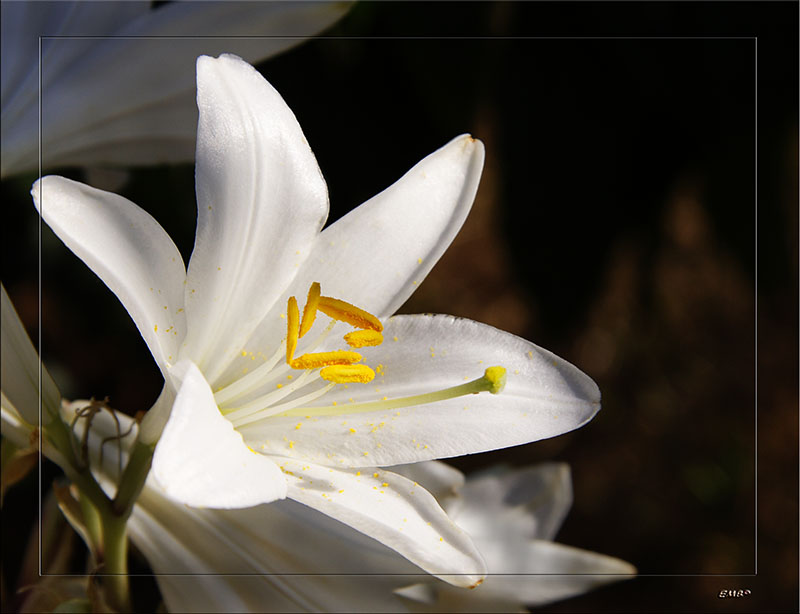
(133, 478)
(115, 562)
(112, 516)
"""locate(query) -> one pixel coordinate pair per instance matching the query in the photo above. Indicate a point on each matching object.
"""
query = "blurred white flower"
(246, 426)
(512, 517)
(117, 77)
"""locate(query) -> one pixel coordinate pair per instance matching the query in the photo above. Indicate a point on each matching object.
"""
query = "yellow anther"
(342, 374)
(324, 359)
(292, 328)
(310, 309)
(363, 338)
(345, 312)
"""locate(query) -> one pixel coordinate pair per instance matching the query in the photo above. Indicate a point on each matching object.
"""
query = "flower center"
(269, 389)
(339, 366)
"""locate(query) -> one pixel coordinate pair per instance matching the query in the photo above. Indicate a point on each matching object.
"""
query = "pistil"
(493, 381)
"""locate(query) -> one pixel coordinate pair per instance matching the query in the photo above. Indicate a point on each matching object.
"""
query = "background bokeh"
(637, 216)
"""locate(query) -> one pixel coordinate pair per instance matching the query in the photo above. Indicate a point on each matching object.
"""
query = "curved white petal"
(21, 378)
(545, 396)
(377, 255)
(525, 503)
(280, 557)
(128, 250)
(392, 509)
(201, 461)
(439, 479)
(95, 113)
(261, 201)
(529, 573)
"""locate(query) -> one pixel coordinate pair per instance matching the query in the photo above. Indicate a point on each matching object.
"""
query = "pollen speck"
(375, 475)
(394, 338)
(279, 385)
(155, 328)
(298, 425)
(352, 430)
(366, 453)
(419, 260)
(291, 444)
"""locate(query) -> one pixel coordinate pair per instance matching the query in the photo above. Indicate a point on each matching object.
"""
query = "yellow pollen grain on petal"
(310, 309)
(155, 328)
(341, 374)
(325, 359)
(345, 312)
(298, 425)
(292, 328)
(363, 338)
(352, 430)
(375, 475)
(385, 484)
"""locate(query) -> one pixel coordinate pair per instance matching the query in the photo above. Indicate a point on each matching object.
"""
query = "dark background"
(633, 218)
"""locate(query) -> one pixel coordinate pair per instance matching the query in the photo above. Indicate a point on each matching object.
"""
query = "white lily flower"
(251, 420)
(115, 73)
(286, 557)
(513, 517)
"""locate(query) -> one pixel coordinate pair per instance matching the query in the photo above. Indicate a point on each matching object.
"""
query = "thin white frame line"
(393, 38)
(39, 305)
(755, 315)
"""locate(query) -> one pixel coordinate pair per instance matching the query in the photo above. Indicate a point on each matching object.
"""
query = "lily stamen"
(324, 359)
(348, 374)
(363, 338)
(310, 308)
(345, 312)
(341, 311)
(293, 328)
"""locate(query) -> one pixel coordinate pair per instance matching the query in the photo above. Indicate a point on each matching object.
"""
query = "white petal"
(94, 113)
(128, 250)
(20, 370)
(201, 461)
(545, 396)
(281, 554)
(545, 572)
(439, 479)
(377, 255)
(583, 571)
(261, 201)
(531, 502)
(392, 509)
